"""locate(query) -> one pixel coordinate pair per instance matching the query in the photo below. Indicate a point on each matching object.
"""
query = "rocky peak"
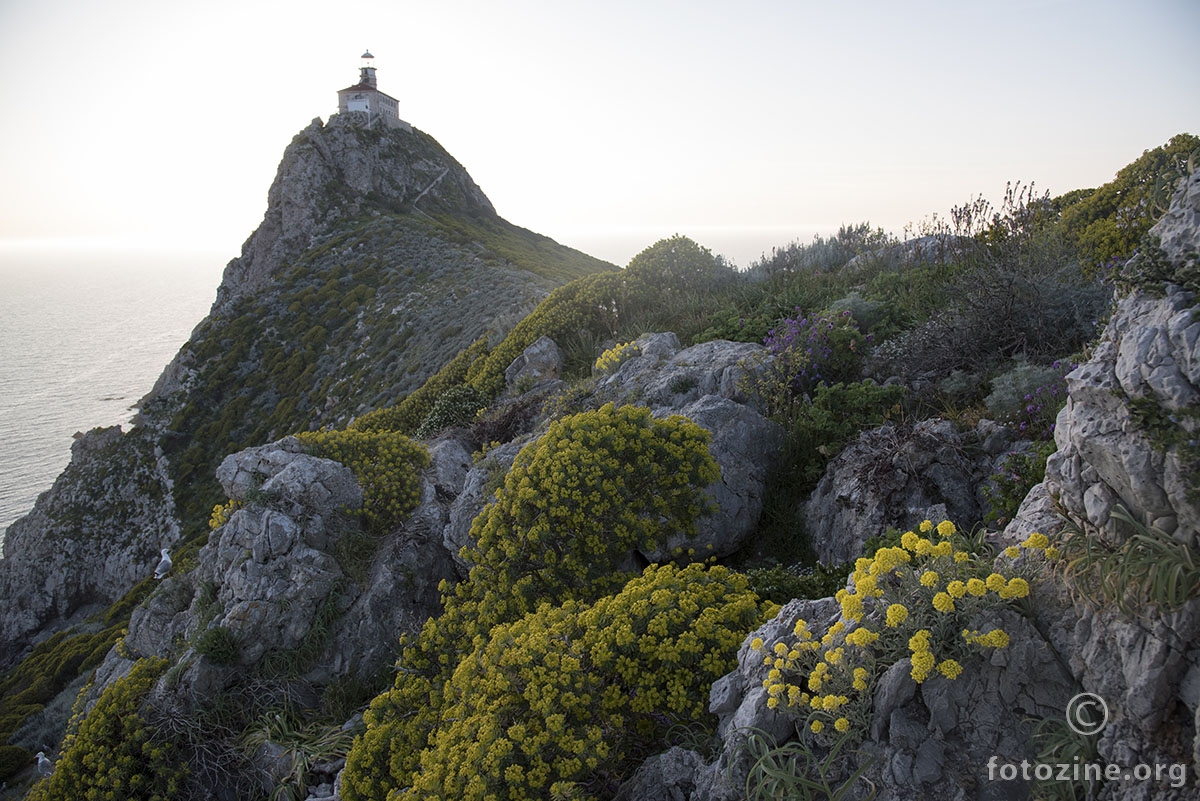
(341, 170)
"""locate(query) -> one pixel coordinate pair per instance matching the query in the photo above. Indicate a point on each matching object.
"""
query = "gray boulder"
(895, 477)
(538, 364)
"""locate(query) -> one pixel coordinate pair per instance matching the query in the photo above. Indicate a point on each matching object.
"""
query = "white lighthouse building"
(366, 98)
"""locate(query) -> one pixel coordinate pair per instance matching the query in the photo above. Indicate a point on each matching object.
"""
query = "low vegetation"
(561, 662)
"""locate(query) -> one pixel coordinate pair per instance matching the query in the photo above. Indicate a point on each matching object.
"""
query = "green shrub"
(781, 584)
(1108, 223)
(1019, 472)
(13, 759)
(457, 406)
(574, 693)
(409, 413)
(113, 753)
(386, 465)
(219, 644)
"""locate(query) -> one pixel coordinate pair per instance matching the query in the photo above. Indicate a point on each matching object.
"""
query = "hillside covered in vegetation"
(457, 512)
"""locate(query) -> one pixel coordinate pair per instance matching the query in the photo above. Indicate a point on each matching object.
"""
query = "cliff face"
(341, 170)
(377, 260)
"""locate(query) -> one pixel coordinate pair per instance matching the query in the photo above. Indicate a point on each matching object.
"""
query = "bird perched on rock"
(45, 766)
(164, 564)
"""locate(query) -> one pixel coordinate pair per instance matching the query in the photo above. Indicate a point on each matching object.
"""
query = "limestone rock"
(88, 539)
(706, 384)
(669, 776)
(1149, 355)
(301, 204)
(896, 477)
(539, 363)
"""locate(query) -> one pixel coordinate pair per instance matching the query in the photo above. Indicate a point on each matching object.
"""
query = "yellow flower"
(862, 637)
(946, 528)
(780, 649)
(852, 606)
(909, 541)
(841, 724)
(896, 614)
(919, 641)
(996, 582)
(1016, 588)
(801, 628)
(1036, 540)
(834, 656)
(929, 578)
(950, 668)
(961, 556)
(943, 548)
(976, 587)
(756, 644)
(1052, 553)
(943, 602)
(817, 727)
(926, 526)
(956, 589)
(1012, 552)
(924, 547)
(772, 702)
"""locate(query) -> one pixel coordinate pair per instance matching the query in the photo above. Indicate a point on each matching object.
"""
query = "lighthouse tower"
(366, 99)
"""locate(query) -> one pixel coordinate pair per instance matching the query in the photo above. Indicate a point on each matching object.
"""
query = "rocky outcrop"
(706, 384)
(327, 173)
(89, 539)
(702, 383)
(1133, 412)
(895, 477)
(291, 582)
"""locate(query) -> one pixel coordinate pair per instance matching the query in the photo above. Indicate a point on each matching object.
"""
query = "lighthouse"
(365, 98)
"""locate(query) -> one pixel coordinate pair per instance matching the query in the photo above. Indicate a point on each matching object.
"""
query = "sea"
(83, 337)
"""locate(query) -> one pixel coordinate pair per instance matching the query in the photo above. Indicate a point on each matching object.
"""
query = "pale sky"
(604, 125)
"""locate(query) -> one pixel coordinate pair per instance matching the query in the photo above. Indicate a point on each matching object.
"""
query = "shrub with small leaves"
(455, 407)
(575, 503)
(112, 753)
(221, 514)
(614, 357)
(572, 693)
(386, 465)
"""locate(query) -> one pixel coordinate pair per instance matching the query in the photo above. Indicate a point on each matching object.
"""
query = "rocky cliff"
(377, 260)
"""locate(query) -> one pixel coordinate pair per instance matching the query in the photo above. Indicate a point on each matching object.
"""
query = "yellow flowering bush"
(614, 357)
(386, 465)
(574, 504)
(575, 692)
(572, 507)
(221, 514)
(112, 754)
(916, 601)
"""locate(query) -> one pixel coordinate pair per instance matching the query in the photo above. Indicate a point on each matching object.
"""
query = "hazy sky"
(603, 125)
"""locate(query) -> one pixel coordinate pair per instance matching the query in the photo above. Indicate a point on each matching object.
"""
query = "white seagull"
(45, 766)
(164, 564)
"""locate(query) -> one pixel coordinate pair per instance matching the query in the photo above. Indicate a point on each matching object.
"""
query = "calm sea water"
(83, 337)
